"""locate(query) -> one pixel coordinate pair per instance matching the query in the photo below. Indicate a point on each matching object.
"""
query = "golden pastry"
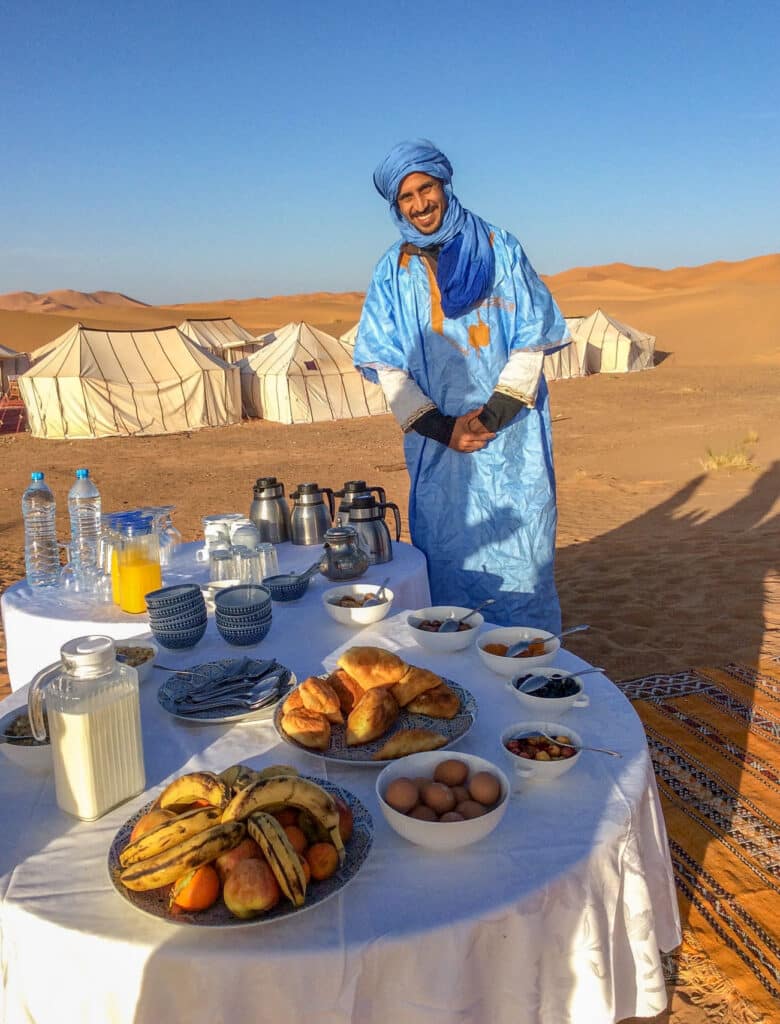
(309, 728)
(372, 666)
(318, 695)
(409, 741)
(414, 682)
(440, 702)
(373, 715)
(348, 690)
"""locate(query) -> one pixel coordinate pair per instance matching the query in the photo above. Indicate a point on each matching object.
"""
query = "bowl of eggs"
(424, 627)
(493, 645)
(443, 802)
(347, 604)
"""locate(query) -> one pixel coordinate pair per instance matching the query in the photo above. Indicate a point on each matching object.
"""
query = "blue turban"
(464, 271)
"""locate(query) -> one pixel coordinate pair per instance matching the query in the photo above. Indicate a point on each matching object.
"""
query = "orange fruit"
(323, 860)
(149, 821)
(298, 840)
(287, 816)
(195, 890)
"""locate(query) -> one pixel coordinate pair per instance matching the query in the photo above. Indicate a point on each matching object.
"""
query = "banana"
(169, 834)
(276, 769)
(282, 858)
(170, 865)
(237, 777)
(188, 789)
(279, 791)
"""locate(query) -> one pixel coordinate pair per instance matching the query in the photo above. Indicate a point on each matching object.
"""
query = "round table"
(38, 621)
(557, 916)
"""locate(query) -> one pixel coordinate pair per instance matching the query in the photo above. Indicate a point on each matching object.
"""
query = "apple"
(251, 889)
(245, 850)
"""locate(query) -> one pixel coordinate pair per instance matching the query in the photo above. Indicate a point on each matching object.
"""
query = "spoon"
(259, 696)
(537, 682)
(577, 746)
(244, 688)
(378, 597)
(451, 625)
(523, 645)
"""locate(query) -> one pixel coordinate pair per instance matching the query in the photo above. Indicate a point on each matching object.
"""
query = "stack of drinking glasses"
(234, 551)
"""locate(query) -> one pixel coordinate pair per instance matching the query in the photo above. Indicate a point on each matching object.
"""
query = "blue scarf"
(466, 264)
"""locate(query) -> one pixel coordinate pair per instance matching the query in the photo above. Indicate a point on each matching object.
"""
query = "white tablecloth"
(556, 917)
(37, 622)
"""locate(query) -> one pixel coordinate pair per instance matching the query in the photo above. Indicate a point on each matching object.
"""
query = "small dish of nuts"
(540, 751)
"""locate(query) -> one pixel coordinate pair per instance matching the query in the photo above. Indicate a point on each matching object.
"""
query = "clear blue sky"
(202, 150)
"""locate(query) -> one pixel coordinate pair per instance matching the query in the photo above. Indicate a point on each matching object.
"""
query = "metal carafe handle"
(391, 504)
(380, 493)
(331, 501)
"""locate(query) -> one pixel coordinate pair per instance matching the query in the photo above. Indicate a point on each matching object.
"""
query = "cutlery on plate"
(521, 645)
(252, 702)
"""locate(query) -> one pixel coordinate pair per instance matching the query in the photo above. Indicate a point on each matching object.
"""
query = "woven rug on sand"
(714, 737)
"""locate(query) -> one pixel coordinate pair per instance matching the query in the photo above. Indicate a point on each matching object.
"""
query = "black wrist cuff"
(436, 425)
(499, 411)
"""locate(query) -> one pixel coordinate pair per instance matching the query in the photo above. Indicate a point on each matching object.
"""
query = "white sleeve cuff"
(406, 400)
(521, 375)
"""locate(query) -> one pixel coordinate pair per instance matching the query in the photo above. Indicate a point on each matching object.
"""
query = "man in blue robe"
(454, 328)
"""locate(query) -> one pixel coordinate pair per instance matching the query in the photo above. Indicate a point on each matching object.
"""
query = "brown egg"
(438, 797)
(461, 794)
(484, 787)
(423, 813)
(471, 809)
(421, 781)
(402, 795)
(452, 816)
(451, 772)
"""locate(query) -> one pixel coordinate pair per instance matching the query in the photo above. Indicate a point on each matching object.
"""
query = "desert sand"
(672, 564)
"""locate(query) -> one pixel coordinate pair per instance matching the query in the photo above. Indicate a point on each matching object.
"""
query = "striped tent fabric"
(11, 365)
(304, 375)
(221, 336)
(605, 345)
(97, 383)
(565, 363)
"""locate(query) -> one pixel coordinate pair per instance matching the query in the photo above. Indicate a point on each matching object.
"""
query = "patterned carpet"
(714, 737)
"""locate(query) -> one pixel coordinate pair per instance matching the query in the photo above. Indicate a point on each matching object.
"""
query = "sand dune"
(63, 300)
(716, 314)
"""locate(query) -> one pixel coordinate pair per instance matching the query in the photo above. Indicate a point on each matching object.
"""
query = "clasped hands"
(469, 434)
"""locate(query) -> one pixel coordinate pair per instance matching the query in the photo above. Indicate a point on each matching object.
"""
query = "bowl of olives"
(554, 691)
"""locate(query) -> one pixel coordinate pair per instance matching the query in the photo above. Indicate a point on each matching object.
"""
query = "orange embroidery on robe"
(437, 313)
(479, 334)
(403, 260)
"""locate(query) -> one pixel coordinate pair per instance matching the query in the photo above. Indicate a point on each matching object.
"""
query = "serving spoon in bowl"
(522, 645)
(378, 597)
(451, 625)
(537, 682)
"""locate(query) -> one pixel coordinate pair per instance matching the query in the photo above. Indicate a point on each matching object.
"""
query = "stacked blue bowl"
(177, 615)
(243, 614)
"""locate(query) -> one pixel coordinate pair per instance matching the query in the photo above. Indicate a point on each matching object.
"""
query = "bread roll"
(414, 682)
(373, 715)
(440, 702)
(348, 690)
(318, 695)
(309, 728)
(372, 666)
(409, 741)
(293, 701)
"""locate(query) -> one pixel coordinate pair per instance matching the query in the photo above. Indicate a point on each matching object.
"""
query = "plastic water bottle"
(85, 526)
(41, 553)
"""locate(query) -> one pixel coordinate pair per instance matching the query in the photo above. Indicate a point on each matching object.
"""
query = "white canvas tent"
(11, 365)
(98, 383)
(222, 337)
(605, 345)
(304, 375)
(349, 337)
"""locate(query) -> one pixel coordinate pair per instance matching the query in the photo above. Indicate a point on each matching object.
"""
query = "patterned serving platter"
(155, 903)
(177, 686)
(453, 730)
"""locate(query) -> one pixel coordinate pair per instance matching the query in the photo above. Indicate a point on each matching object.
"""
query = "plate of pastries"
(374, 708)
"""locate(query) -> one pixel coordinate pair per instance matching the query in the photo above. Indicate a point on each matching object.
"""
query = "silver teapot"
(269, 510)
(342, 558)
(368, 518)
(310, 517)
(349, 491)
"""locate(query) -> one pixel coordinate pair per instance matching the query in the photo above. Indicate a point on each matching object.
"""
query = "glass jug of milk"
(94, 725)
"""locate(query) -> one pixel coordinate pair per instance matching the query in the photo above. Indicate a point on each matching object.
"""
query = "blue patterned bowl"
(173, 598)
(185, 620)
(284, 588)
(243, 636)
(178, 639)
(245, 599)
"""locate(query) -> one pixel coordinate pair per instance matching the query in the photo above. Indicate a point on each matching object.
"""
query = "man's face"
(422, 202)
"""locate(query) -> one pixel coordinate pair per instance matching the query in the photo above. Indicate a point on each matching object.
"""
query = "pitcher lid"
(88, 655)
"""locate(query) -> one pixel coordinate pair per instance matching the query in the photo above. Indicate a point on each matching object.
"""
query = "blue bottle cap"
(37, 476)
(82, 474)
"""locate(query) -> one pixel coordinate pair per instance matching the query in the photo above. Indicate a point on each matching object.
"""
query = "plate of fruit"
(241, 847)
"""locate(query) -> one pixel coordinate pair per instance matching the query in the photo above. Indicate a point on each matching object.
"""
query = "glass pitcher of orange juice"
(138, 561)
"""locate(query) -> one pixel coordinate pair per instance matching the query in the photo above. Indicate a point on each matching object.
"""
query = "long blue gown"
(486, 520)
